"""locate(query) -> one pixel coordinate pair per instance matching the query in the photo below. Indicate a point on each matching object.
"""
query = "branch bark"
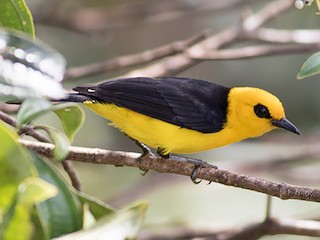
(158, 164)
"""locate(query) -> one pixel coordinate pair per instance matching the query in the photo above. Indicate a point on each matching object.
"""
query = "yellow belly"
(156, 133)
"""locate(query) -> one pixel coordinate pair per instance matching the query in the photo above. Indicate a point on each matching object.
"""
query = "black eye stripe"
(262, 111)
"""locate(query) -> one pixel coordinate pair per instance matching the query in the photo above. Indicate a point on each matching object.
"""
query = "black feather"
(188, 103)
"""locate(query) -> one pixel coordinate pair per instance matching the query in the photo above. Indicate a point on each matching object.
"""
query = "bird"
(178, 115)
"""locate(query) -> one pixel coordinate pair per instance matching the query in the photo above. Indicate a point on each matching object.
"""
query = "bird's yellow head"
(253, 112)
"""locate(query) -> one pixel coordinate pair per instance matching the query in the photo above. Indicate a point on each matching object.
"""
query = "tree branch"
(136, 59)
(158, 164)
(285, 36)
(258, 51)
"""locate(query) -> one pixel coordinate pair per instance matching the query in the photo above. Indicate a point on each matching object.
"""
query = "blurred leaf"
(29, 68)
(71, 117)
(124, 224)
(61, 143)
(63, 213)
(97, 208)
(15, 165)
(15, 14)
(16, 222)
(39, 231)
(88, 218)
(33, 190)
(31, 109)
(310, 67)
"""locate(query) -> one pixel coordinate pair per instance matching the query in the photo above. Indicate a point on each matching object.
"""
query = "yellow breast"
(156, 133)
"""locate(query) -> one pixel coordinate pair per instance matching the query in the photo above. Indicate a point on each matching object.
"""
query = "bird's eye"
(262, 111)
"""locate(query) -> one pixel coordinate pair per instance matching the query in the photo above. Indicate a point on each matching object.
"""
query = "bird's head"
(255, 112)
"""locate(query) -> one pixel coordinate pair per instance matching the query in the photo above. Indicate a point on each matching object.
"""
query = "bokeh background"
(133, 26)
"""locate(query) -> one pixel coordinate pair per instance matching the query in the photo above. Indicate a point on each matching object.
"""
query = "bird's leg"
(145, 152)
(196, 162)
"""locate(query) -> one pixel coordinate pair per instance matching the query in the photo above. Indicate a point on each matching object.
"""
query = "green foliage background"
(36, 202)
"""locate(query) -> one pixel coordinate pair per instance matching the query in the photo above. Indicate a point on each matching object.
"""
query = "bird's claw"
(145, 153)
(194, 173)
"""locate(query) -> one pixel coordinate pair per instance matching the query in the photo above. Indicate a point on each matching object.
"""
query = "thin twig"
(258, 51)
(270, 35)
(207, 172)
(70, 170)
(136, 59)
(268, 206)
(268, 12)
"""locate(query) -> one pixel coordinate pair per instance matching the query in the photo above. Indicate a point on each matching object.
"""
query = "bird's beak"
(286, 124)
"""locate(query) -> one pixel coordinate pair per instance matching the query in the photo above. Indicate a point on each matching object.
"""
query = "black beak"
(286, 124)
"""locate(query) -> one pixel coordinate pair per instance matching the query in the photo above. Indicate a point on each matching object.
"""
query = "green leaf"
(15, 14)
(34, 190)
(97, 208)
(88, 218)
(124, 224)
(18, 217)
(15, 165)
(310, 67)
(94, 209)
(63, 213)
(71, 117)
(39, 231)
(16, 220)
(31, 109)
(61, 143)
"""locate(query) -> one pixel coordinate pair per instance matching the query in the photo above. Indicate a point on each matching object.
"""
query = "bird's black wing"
(188, 103)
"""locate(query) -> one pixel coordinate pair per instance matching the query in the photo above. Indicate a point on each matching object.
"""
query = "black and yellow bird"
(183, 115)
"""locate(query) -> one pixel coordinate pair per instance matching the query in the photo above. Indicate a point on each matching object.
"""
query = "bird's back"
(187, 103)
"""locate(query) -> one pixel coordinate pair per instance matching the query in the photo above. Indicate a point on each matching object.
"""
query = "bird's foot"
(145, 153)
(197, 165)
